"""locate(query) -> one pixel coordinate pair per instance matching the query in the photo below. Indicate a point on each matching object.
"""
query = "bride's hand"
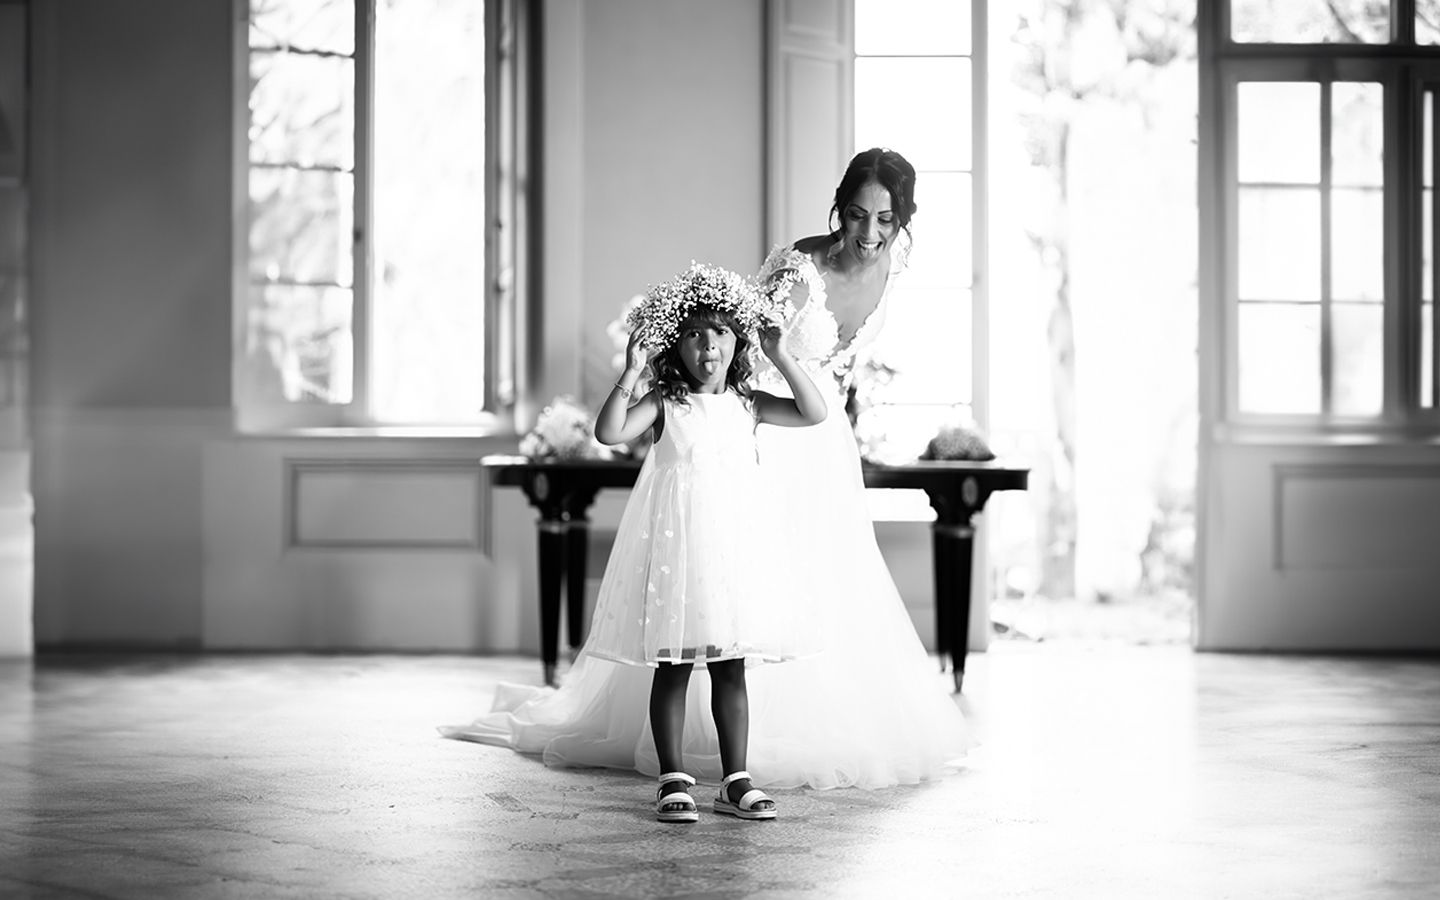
(770, 339)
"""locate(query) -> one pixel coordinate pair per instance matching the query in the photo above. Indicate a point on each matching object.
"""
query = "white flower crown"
(664, 307)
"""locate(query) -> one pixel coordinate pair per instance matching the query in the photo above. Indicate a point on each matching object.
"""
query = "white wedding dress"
(870, 710)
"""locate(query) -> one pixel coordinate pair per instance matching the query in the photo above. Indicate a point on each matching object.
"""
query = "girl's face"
(706, 350)
(868, 223)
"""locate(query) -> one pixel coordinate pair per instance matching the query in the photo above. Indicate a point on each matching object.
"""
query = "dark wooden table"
(564, 491)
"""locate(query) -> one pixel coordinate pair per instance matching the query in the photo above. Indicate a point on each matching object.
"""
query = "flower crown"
(664, 307)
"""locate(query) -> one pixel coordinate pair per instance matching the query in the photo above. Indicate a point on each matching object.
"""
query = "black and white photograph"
(719, 449)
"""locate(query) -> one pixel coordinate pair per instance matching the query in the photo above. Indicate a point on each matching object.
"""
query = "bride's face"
(868, 223)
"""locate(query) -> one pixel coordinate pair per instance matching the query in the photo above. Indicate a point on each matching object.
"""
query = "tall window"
(381, 144)
(1326, 112)
(915, 89)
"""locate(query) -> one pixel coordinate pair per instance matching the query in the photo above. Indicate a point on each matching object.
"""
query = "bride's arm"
(784, 270)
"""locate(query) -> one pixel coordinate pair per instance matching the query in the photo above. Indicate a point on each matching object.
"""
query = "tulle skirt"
(870, 710)
(697, 572)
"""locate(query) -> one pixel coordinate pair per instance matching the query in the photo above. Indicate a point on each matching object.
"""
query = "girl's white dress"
(871, 709)
(696, 574)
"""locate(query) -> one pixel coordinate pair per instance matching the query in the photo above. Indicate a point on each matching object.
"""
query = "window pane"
(1357, 136)
(298, 344)
(898, 434)
(1427, 201)
(1357, 333)
(326, 25)
(302, 109)
(1427, 354)
(428, 334)
(926, 341)
(1427, 173)
(301, 226)
(1427, 244)
(1279, 132)
(918, 106)
(1357, 244)
(1279, 244)
(1427, 21)
(1279, 358)
(942, 253)
(1310, 21)
(889, 27)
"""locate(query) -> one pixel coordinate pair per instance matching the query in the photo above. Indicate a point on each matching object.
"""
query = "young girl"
(696, 575)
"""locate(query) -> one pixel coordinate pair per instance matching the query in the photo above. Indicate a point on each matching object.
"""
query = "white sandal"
(745, 809)
(676, 806)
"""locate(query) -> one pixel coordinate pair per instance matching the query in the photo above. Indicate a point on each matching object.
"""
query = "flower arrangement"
(661, 310)
(564, 431)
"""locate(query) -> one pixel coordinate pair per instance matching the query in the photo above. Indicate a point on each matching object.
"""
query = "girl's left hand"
(770, 342)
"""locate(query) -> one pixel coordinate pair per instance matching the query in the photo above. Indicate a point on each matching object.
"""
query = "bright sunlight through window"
(367, 210)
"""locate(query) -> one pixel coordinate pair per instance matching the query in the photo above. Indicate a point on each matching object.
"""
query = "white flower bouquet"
(564, 430)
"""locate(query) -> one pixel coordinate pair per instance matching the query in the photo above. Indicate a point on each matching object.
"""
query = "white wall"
(130, 323)
(671, 146)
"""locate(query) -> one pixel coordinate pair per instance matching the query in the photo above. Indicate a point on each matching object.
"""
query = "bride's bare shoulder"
(810, 246)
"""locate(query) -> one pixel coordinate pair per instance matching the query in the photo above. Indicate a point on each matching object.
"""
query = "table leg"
(552, 568)
(944, 573)
(954, 556)
(577, 542)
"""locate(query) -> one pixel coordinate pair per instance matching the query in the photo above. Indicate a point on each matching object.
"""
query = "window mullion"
(980, 217)
(1404, 198)
(1327, 336)
(1414, 306)
(362, 245)
(1402, 22)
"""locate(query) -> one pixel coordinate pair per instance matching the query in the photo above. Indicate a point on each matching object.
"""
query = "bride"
(871, 710)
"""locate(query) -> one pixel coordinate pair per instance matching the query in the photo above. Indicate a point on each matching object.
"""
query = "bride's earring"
(836, 247)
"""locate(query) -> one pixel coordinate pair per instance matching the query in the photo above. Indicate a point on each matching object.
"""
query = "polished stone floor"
(1107, 773)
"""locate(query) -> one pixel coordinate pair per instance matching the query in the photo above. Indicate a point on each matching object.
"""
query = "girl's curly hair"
(673, 381)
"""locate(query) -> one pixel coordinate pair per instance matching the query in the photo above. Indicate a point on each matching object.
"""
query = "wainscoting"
(1323, 547)
(363, 544)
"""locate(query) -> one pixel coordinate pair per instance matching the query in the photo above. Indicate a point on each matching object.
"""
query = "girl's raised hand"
(770, 342)
(636, 354)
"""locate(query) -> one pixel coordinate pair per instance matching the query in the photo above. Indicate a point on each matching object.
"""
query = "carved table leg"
(577, 541)
(552, 567)
(953, 540)
(954, 555)
(944, 574)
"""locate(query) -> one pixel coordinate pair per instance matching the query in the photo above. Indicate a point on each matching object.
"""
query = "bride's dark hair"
(673, 380)
(886, 168)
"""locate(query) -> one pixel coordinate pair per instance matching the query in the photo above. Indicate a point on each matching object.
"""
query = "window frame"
(977, 403)
(1404, 70)
(511, 57)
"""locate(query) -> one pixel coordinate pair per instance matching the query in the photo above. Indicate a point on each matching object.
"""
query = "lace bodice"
(812, 333)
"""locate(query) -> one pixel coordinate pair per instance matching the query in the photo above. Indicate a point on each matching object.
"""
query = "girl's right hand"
(636, 354)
